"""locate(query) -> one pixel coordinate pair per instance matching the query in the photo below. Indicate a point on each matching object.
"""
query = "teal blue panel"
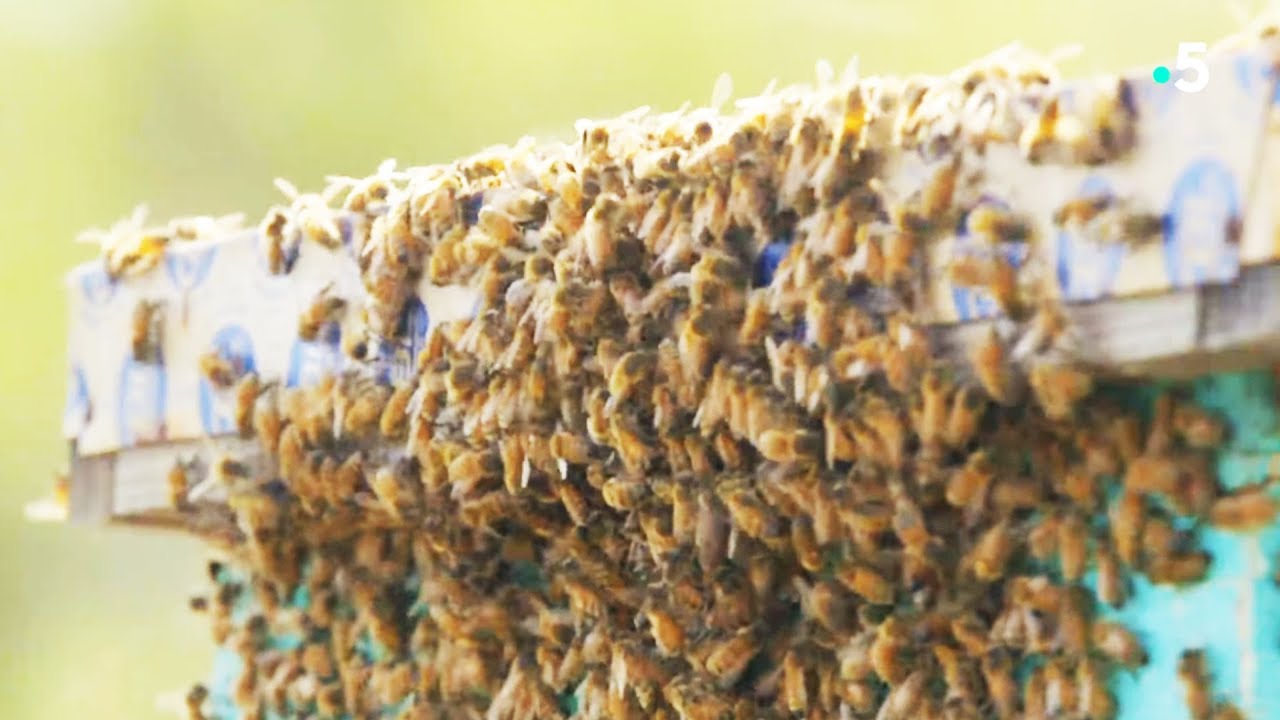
(1235, 614)
(227, 667)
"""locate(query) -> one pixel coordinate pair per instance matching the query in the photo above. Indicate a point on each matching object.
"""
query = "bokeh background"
(193, 107)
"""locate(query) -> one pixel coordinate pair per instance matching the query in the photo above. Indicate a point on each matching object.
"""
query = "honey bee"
(992, 369)
(1178, 568)
(291, 452)
(394, 419)
(1112, 588)
(972, 635)
(993, 274)
(1073, 546)
(1080, 485)
(396, 487)
(1160, 434)
(128, 249)
(1111, 123)
(1082, 210)
(1193, 673)
(1226, 710)
(795, 682)
(905, 699)
(668, 634)
(684, 511)
(938, 193)
(1034, 695)
(711, 534)
(958, 672)
(756, 319)
(997, 225)
(570, 448)
(969, 483)
(789, 445)
(866, 583)
(1249, 508)
(473, 471)
(145, 331)
(889, 652)
(899, 252)
(1126, 434)
(748, 512)
(931, 410)
(325, 309)
(219, 371)
(358, 405)
(574, 502)
(805, 545)
(267, 424)
(1074, 608)
(1095, 701)
(1119, 644)
(280, 242)
(633, 449)
(629, 374)
(909, 524)
(179, 484)
(824, 603)
(1059, 389)
(967, 410)
(1002, 689)
(1121, 225)
(1127, 516)
(194, 701)
(1061, 692)
(246, 394)
(1153, 474)
(697, 342)
(992, 552)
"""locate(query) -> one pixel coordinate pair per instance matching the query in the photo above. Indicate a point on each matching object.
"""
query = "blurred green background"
(195, 107)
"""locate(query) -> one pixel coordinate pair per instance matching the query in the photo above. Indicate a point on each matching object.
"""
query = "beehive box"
(1193, 290)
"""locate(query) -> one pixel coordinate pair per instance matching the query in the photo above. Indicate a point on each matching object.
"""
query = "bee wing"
(634, 116)
(286, 188)
(331, 191)
(94, 235)
(340, 183)
(679, 112)
(135, 219)
(44, 510)
(849, 75)
(826, 74)
(230, 221)
(172, 703)
(386, 167)
(1070, 51)
(762, 101)
(721, 91)
(120, 228)
(202, 488)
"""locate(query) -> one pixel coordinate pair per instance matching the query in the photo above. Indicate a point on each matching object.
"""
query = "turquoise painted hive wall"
(1234, 615)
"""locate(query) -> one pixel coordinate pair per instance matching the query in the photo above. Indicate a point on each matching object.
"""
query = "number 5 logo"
(1191, 60)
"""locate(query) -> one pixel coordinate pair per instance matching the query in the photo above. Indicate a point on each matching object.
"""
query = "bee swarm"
(695, 456)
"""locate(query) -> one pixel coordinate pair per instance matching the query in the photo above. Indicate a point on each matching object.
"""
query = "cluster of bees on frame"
(695, 455)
